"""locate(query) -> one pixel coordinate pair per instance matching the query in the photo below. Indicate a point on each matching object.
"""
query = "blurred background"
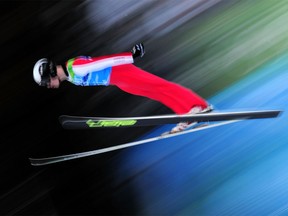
(233, 53)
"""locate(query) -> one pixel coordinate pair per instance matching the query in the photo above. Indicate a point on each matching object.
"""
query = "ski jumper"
(118, 70)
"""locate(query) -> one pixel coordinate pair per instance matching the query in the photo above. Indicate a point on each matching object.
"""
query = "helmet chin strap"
(65, 69)
(53, 69)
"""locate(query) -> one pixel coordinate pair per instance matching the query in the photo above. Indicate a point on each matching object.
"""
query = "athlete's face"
(54, 82)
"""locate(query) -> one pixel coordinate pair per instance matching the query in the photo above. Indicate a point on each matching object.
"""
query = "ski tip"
(62, 118)
(63, 121)
(71, 122)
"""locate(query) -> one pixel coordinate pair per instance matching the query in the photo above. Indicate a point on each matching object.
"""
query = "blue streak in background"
(238, 169)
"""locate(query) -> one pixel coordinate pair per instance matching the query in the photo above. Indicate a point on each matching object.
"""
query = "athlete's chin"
(52, 87)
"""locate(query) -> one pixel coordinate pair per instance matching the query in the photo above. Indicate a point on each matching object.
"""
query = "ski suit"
(118, 70)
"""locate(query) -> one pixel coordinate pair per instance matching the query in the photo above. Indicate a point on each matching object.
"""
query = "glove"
(138, 50)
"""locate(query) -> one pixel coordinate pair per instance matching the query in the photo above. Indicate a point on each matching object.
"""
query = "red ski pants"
(136, 81)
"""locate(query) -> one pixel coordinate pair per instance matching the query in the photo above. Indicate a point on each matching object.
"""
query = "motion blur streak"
(238, 169)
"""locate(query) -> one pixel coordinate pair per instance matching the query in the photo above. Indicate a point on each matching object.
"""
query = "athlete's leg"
(136, 81)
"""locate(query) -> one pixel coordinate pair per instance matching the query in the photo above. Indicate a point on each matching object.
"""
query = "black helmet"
(43, 70)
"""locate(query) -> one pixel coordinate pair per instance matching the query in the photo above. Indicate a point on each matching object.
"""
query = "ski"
(81, 122)
(62, 158)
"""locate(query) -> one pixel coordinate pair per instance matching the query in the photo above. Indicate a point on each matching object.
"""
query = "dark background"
(31, 30)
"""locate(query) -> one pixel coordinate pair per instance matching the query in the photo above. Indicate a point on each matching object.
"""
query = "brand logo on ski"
(110, 123)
